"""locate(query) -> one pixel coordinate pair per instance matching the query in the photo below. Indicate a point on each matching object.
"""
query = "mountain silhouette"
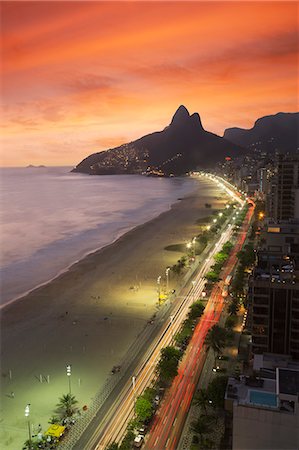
(182, 146)
(277, 132)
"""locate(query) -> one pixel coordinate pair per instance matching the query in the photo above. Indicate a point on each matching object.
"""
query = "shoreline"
(95, 253)
(89, 316)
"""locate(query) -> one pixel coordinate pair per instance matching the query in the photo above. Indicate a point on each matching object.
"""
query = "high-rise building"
(274, 291)
(283, 200)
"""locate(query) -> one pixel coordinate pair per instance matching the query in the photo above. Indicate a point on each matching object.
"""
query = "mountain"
(182, 146)
(270, 133)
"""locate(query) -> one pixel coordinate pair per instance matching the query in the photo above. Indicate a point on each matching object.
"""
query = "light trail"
(164, 435)
(113, 427)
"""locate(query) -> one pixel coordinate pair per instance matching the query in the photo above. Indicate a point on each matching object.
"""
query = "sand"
(88, 317)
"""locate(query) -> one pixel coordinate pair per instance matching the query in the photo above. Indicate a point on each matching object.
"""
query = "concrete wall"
(262, 429)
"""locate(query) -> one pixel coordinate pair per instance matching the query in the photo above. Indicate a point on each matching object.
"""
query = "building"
(274, 291)
(283, 199)
(265, 410)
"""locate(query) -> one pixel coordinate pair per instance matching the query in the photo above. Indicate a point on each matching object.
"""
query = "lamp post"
(167, 278)
(69, 373)
(27, 414)
(134, 387)
(193, 246)
(159, 285)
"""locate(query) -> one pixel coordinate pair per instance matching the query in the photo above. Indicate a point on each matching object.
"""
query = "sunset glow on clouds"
(80, 77)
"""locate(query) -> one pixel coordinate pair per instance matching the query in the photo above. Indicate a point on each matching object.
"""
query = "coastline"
(89, 315)
(37, 270)
(92, 253)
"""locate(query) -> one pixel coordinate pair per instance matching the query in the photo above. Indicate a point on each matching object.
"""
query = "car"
(157, 400)
(138, 441)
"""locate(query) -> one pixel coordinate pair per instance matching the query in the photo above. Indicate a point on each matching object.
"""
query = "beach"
(88, 317)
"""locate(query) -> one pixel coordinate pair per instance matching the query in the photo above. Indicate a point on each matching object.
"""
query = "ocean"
(51, 218)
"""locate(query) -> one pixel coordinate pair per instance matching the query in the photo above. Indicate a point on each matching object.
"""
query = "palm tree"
(208, 444)
(66, 406)
(201, 399)
(216, 340)
(233, 308)
(201, 426)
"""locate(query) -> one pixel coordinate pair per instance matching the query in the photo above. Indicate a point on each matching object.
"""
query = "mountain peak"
(180, 116)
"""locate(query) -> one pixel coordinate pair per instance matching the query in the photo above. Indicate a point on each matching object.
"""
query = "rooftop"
(252, 391)
(288, 381)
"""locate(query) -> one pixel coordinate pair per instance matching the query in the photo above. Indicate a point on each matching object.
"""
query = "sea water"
(51, 218)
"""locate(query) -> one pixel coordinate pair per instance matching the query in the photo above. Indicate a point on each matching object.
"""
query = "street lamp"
(134, 387)
(69, 373)
(167, 278)
(159, 286)
(27, 414)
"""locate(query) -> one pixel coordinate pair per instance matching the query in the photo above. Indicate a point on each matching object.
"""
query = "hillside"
(269, 133)
(182, 146)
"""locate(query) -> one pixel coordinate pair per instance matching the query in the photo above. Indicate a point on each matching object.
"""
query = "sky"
(81, 77)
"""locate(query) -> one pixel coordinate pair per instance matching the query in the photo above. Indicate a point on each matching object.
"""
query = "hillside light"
(188, 245)
(220, 214)
(214, 220)
(208, 227)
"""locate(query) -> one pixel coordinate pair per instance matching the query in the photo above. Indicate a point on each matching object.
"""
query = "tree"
(176, 269)
(246, 256)
(227, 247)
(112, 446)
(201, 399)
(168, 364)
(230, 321)
(203, 239)
(212, 276)
(67, 406)
(216, 391)
(127, 441)
(201, 426)
(208, 444)
(216, 339)
(220, 257)
(143, 408)
(196, 310)
(233, 308)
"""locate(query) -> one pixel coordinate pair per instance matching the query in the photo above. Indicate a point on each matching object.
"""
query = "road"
(169, 421)
(113, 426)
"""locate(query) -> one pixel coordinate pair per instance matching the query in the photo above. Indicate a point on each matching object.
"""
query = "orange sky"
(79, 77)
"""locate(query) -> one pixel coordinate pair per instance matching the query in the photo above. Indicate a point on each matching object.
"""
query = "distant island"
(31, 166)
